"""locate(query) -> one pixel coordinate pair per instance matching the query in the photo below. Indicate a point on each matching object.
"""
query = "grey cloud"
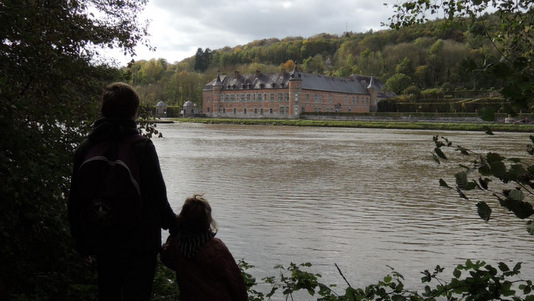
(187, 25)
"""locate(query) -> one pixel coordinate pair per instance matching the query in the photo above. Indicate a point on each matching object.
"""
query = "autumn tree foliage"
(508, 29)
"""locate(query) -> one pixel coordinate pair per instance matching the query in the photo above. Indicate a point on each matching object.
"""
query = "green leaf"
(493, 157)
(483, 182)
(517, 267)
(440, 153)
(442, 183)
(483, 210)
(485, 170)
(499, 170)
(516, 195)
(461, 194)
(516, 173)
(519, 208)
(471, 185)
(503, 267)
(461, 179)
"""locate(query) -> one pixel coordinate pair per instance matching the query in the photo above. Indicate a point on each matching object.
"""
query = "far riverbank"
(416, 125)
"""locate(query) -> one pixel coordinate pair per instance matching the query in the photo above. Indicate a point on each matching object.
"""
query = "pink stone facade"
(287, 95)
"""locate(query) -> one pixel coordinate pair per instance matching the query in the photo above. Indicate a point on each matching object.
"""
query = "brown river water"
(363, 199)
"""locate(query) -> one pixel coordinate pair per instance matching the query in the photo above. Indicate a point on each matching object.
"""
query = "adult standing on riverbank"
(126, 256)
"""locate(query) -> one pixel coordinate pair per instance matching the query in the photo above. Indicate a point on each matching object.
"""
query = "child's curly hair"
(195, 216)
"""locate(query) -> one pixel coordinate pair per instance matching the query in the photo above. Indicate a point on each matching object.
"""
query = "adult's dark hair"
(195, 216)
(120, 100)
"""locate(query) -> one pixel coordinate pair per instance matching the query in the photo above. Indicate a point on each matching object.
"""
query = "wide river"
(365, 199)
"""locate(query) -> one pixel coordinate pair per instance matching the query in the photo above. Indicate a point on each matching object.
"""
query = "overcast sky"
(179, 27)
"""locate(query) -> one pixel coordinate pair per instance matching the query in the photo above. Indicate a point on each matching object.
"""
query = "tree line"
(434, 55)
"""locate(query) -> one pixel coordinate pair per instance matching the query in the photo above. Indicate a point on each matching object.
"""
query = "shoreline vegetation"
(415, 125)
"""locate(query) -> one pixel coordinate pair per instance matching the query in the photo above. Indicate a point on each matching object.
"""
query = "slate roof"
(353, 85)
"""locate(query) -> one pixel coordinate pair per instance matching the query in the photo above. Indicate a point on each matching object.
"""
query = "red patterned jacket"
(212, 274)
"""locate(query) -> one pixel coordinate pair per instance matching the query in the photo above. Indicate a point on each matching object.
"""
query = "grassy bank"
(499, 127)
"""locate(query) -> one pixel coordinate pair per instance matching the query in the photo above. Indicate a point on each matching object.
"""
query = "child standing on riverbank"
(205, 268)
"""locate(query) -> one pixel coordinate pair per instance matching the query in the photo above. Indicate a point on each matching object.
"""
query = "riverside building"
(287, 95)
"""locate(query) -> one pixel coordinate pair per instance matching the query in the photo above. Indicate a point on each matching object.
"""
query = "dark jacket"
(211, 275)
(147, 235)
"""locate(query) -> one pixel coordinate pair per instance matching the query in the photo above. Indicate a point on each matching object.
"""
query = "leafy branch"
(513, 178)
(470, 281)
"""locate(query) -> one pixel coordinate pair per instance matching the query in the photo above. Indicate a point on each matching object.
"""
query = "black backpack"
(110, 195)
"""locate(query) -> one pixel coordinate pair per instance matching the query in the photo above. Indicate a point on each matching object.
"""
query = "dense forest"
(436, 58)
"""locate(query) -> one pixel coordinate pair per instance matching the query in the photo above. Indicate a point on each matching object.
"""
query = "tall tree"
(49, 85)
(202, 59)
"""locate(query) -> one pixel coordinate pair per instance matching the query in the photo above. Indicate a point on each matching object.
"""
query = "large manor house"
(287, 95)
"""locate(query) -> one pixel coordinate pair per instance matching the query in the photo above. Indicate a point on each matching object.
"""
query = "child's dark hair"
(195, 216)
(120, 100)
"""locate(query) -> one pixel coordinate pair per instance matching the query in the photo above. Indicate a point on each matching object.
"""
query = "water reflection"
(361, 198)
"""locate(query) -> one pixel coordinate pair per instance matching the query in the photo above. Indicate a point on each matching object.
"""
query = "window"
(208, 109)
(302, 109)
(208, 100)
(287, 97)
(245, 111)
(282, 110)
(224, 110)
(248, 97)
(261, 111)
(331, 99)
(255, 111)
(346, 99)
(235, 111)
(270, 111)
(272, 97)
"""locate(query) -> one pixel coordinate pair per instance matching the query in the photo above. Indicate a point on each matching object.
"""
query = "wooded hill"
(430, 61)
